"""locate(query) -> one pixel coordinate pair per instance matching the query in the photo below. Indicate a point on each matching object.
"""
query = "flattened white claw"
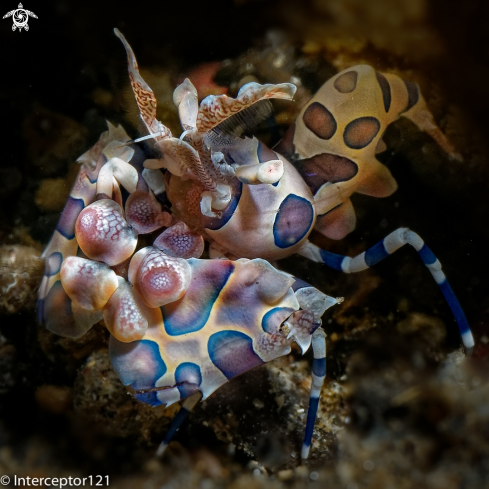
(88, 283)
(144, 214)
(124, 316)
(158, 278)
(103, 234)
(179, 241)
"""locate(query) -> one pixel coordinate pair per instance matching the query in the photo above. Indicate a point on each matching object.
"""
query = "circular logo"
(20, 19)
(5, 480)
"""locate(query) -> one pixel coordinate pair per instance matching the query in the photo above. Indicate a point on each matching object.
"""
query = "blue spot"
(427, 255)
(53, 263)
(274, 318)
(215, 223)
(332, 260)
(138, 364)
(375, 254)
(276, 183)
(293, 222)
(264, 153)
(189, 376)
(66, 223)
(319, 366)
(191, 312)
(232, 353)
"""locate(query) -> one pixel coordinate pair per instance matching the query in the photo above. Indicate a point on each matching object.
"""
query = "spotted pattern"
(232, 353)
(188, 378)
(264, 153)
(326, 167)
(413, 94)
(293, 222)
(274, 318)
(191, 312)
(144, 214)
(138, 364)
(347, 82)
(360, 132)
(103, 234)
(386, 90)
(66, 224)
(318, 119)
(179, 241)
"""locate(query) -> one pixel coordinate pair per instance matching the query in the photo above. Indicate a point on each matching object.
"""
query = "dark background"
(70, 52)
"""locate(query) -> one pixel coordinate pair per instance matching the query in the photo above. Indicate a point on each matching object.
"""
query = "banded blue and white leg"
(385, 248)
(318, 375)
(187, 406)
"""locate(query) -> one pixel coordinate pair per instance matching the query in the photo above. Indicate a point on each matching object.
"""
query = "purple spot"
(293, 222)
(53, 263)
(191, 312)
(232, 353)
(264, 153)
(188, 378)
(66, 223)
(138, 364)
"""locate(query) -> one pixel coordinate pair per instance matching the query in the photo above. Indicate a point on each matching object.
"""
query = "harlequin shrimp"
(182, 326)
(267, 205)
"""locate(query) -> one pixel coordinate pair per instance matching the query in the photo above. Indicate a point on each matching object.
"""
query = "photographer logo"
(20, 17)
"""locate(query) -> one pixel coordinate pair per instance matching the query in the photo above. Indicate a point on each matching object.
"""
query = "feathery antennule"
(243, 123)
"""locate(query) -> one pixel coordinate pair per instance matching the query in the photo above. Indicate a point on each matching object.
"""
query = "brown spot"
(326, 167)
(347, 82)
(319, 120)
(360, 132)
(386, 90)
(413, 94)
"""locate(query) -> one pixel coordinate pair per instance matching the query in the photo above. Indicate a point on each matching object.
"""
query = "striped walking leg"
(181, 416)
(318, 375)
(383, 249)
